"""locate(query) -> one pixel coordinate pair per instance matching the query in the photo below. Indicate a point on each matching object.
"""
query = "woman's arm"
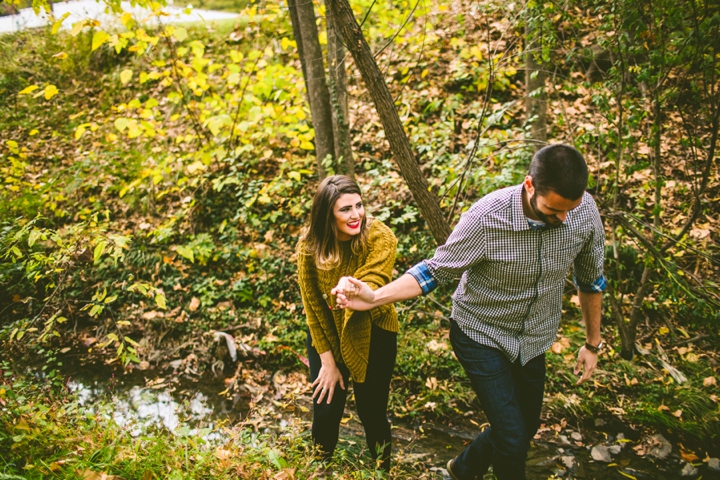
(315, 307)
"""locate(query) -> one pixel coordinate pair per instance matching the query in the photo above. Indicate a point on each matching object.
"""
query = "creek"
(195, 407)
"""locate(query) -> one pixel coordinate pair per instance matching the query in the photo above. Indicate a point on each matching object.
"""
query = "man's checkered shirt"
(510, 291)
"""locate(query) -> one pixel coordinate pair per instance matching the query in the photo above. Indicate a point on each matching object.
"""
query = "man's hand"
(587, 361)
(353, 294)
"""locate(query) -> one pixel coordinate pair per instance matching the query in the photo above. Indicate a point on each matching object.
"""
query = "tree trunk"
(338, 96)
(292, 8)
(535, 75)
(354, 40)
(314, 73)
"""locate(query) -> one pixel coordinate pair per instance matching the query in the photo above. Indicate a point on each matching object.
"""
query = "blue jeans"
(511, 396)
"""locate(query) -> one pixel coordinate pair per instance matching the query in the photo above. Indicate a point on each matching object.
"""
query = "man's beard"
(548, 221)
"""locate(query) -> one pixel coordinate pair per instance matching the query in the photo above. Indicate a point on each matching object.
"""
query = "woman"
(341, 241)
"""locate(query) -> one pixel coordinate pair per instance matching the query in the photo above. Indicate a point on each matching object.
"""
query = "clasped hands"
(353, 294)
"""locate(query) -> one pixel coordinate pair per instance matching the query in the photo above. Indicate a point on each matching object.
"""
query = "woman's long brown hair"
(321, 237)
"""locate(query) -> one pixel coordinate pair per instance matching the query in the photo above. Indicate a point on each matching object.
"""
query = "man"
(513, 249)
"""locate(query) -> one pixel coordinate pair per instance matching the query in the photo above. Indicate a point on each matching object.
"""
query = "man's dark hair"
(561, 169)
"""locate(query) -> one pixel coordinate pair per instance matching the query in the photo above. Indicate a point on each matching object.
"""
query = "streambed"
(196, 407)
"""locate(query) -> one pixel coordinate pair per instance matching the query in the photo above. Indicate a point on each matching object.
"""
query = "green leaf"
(99, 250)
(276, 458)
(110, 299)
(99, 38)
(32, 238)
(96, 309)
(186, 252)
(160, 301)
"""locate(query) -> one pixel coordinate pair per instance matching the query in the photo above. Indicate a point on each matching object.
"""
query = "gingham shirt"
(510, 291)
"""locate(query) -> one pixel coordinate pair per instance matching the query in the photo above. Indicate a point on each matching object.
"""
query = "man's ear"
(529, 187)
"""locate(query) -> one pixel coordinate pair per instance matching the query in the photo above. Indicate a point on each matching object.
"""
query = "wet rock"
(615, 449)
(600, 453)
(661, 447)
(576, 436)
(568, 461)
(541, 461)
(563, 440)
(688, 470)
(714, 464)
(638, 473)
(412, 458)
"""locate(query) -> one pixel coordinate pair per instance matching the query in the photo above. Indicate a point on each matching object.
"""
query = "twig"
(689, 340)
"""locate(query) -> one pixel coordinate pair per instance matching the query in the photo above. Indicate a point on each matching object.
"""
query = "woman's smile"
(349, 213)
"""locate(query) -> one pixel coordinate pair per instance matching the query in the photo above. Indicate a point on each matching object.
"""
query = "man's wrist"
(594, 348)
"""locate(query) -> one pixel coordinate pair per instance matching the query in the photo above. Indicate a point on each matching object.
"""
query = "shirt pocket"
(559, 257)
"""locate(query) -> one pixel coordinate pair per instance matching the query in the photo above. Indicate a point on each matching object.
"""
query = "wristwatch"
(593, 348)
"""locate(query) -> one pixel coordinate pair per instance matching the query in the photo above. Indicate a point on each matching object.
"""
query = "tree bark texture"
(338, 97)
(535, 75)
(314, 72)
(354, 40)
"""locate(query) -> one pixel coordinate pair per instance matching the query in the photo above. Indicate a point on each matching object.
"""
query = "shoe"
(449, 469)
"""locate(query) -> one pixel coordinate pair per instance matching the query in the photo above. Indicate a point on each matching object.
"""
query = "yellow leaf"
(77, 28)
(180, 34)
(626, 475)
(125, 76)
(121, 123)
(305, 145)
(34, 132)
(663, 330)
(99, 38)
(58, 23)
(126, 17)
(61, 55)
(80, 130)
(50, 91)
(28, 90)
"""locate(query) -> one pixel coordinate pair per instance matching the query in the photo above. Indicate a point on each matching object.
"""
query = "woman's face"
(349, 212)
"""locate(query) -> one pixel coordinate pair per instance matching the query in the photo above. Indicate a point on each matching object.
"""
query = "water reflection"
(141, 409)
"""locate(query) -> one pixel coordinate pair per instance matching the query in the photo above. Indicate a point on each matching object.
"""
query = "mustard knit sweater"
(345, 332)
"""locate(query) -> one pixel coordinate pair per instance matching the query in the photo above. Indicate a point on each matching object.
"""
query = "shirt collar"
(519, 220)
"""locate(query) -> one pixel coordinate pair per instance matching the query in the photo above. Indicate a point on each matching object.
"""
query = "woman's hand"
(327, 379)
(354, 294)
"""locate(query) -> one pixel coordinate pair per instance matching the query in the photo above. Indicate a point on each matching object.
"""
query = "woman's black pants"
(371, 398)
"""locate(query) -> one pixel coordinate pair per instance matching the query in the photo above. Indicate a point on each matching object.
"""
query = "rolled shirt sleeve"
(588, 265)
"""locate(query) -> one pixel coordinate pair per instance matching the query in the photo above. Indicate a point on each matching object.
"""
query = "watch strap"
(595, 348)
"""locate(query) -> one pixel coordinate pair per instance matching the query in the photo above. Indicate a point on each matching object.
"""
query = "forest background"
(156, 178)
